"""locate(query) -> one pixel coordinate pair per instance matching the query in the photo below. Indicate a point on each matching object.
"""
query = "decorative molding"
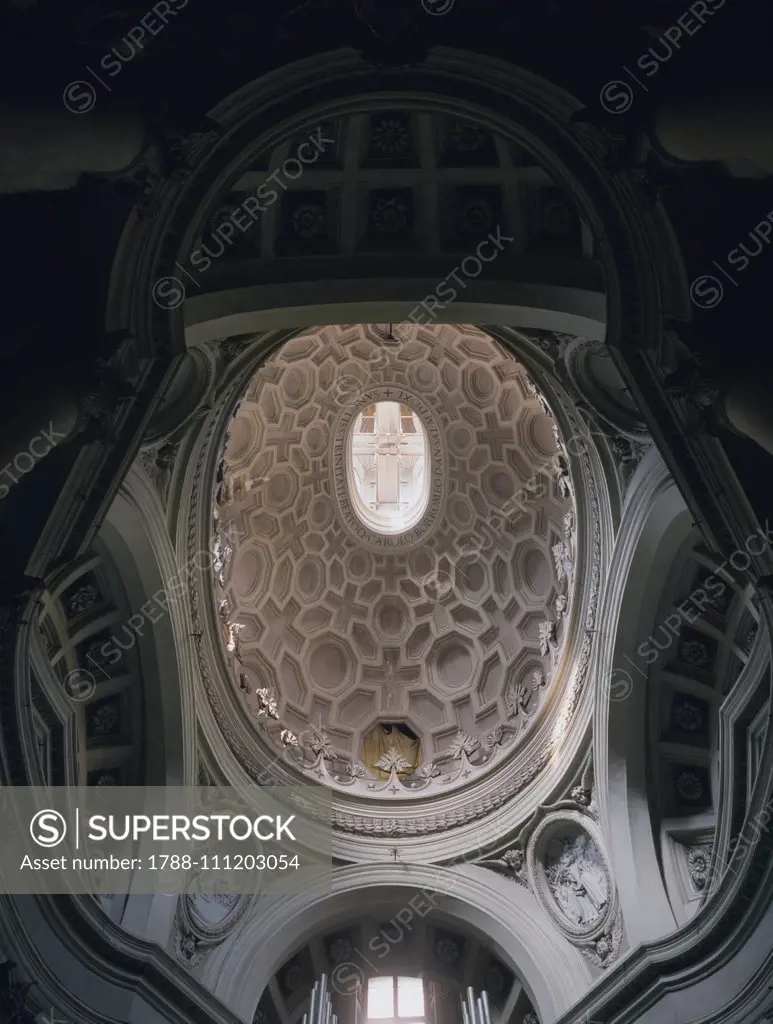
(699, 866)
(187, 946)
(571, 828)
(629, 318)
(576, 889)
(203, 921)
(513, 860)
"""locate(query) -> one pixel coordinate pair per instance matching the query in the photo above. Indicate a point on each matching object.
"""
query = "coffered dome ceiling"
(452, 628)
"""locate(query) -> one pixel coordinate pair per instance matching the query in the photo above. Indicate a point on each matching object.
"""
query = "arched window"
(388, 468)
(395, 1000)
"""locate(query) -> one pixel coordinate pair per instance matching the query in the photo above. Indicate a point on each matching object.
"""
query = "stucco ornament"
(578, 880)
(204, 919)
(559, 856)
(582, 796)
(547, 638)
(699, 866)
(570, 875)
(563, 561)
(393, 759)
(511, 864)
(187, 947)
(520, 695)
(327, 604)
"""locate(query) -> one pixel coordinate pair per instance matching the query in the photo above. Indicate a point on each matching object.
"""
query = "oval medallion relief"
(572, 876)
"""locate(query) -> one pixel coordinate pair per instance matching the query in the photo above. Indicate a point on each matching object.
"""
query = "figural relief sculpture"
(559, 856)
(572, 879)
(578, 879)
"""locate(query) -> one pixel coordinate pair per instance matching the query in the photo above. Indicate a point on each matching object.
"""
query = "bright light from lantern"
(388, 468)
(394, 1000)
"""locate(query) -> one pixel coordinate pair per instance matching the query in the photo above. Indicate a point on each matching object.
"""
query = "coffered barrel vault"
(398, 181)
